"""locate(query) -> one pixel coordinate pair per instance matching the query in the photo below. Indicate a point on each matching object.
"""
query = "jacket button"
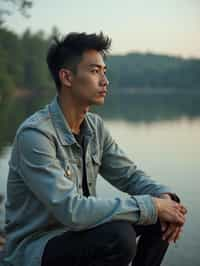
(90, 184)
(79, 186)
(67, 172)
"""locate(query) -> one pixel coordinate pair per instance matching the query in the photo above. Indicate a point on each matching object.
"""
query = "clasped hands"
(172, 217)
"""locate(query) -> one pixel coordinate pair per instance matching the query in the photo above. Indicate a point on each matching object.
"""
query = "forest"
(23, 67)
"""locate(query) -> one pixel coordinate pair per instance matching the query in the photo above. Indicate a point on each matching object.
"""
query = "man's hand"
(171, 231)
(170, 211)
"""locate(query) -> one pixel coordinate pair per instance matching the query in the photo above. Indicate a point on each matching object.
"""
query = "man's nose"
(104, 80)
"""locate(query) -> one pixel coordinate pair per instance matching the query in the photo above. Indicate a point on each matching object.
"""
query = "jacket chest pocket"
(95, 164)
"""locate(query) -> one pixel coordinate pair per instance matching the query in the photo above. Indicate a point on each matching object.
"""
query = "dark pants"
(109, 244)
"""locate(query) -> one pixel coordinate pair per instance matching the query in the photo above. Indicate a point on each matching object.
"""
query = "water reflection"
(151, 107)
(13, 112)
(132, 107)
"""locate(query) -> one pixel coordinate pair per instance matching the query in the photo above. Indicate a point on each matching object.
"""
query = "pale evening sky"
(167, 26)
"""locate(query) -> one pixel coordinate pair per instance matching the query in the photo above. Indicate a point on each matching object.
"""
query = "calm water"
(161, 135)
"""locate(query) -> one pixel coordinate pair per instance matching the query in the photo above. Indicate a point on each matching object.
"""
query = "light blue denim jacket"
(44, 190)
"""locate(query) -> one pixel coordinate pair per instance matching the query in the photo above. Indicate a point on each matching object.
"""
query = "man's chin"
(98, 102)
(101, 102)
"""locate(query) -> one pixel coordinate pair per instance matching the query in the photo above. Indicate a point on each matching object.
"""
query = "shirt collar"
(62, 127)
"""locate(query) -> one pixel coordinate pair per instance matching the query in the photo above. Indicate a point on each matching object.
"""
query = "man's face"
(89, 84)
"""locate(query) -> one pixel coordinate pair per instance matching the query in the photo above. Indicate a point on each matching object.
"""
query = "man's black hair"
(67, 52)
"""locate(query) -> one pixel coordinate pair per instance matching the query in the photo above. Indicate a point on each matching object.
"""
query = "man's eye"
(94, 70)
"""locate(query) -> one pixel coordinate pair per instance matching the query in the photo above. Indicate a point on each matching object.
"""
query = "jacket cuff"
(162, 190)
(148, 210)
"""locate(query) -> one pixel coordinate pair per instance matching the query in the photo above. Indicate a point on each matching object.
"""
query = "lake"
(161, 133)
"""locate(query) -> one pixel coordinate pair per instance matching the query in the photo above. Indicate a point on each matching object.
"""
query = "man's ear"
(66, 77)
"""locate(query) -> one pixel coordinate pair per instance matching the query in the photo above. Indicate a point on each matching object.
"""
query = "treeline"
(22, 63)
(23, 67)
(155, 71)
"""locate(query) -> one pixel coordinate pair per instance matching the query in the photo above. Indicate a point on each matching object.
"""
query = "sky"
(163, 27)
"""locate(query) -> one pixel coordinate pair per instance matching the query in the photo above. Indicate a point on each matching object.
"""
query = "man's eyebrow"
(97, 65)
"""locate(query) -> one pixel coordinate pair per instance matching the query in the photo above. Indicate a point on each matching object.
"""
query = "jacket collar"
(62, 127)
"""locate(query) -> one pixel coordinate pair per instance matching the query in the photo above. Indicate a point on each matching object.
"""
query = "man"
(53, 214)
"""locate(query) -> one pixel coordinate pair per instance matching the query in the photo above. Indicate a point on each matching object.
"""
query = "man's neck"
(74, 113)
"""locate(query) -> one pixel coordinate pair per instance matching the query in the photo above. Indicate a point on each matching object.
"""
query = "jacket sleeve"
(42, 173)
(122, 172)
